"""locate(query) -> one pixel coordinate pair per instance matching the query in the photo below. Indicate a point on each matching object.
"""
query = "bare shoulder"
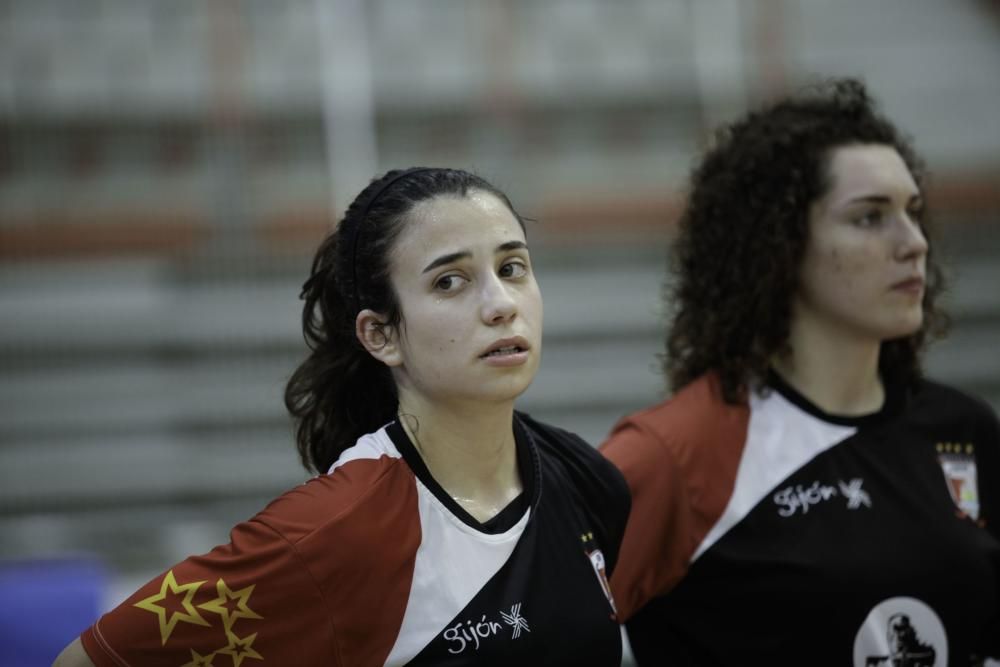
(73, 656)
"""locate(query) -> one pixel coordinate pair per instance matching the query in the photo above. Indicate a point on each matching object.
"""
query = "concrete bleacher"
(140, 400)
(141, 412)
(134, 400)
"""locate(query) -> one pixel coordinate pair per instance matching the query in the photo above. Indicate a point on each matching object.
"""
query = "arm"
(252, 598)
(73, 656)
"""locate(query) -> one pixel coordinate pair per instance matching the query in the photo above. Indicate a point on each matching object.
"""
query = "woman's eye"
(870, 218)
(513, 270)
(448, 283)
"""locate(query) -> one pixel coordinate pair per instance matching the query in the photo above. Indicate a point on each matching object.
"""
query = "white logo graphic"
(856, 496)
(471, 634)
(515, 620)
(902, 632)
(463, 635)
(792, 499)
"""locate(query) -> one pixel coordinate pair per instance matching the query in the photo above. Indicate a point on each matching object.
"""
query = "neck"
(468, 449)
(838, 374)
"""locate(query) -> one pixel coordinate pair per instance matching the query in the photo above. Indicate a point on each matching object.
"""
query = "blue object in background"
(45, 604)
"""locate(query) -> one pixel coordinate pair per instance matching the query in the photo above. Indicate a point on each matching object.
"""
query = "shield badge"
(958, 463)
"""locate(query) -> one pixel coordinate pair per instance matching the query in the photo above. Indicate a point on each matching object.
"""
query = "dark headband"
(354, 231)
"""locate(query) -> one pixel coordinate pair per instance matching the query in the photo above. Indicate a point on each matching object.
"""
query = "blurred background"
(167, 168)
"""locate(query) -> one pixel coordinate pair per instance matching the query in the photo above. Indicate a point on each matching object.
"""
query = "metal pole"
(348, 98)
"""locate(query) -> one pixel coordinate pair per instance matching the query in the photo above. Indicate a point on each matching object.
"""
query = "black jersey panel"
(884, 542)
(551, 587)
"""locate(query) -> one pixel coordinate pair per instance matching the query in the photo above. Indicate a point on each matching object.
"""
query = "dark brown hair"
(742, 236)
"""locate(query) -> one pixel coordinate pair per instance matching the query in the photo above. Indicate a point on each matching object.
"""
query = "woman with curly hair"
(444, 527)
(805, 495)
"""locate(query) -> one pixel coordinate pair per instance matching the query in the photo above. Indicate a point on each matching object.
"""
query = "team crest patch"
(596, 558)
(958, 462)
(901, 631)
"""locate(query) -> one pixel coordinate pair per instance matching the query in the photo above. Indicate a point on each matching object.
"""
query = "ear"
(381, 341)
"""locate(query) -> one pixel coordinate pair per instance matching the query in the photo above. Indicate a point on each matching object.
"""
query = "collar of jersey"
(892, 405)
(528, 466)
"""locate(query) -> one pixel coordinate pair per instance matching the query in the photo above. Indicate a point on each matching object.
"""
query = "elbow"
(73, 656)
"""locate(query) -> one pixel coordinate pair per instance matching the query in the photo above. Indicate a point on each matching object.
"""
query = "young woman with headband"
(443, 527)
(806, 497)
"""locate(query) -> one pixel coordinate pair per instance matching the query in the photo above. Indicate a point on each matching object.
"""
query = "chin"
(511, 390)
(903, 329)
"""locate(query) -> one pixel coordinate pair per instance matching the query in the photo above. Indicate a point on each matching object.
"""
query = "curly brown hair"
(742, 236)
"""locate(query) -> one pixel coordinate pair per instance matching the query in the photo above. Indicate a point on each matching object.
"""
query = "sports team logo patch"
(596, 558)
(958, 462)
(901, 632)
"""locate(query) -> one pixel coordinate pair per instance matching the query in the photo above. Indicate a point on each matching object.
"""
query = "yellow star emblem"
(170, 588)
(231, 605)
(240, 648)
(198, 660)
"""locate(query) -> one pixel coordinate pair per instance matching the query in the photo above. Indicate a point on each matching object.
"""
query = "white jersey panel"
(781, 438)
(370, 446)
(453, 563)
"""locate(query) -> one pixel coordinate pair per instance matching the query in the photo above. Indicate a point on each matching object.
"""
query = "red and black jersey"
(374, 564)
(772, 533)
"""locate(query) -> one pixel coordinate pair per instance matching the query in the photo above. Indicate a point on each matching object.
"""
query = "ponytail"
(340, 392)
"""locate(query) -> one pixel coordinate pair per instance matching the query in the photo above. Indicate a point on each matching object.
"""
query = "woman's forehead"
(455, 223)
(865, 170)
(450, 204)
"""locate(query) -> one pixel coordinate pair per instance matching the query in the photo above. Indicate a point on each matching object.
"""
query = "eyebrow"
(464, 254)
(881, 199)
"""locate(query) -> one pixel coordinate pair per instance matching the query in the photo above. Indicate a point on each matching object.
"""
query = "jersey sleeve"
(657, 544)
(249, 600)
(607, 495)
(618, 509)
(597, 484)
(988, 455)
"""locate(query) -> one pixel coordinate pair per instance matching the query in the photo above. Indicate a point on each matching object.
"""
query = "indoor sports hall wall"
(166, 169)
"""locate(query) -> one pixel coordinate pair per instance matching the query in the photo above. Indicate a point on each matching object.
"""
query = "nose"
(498, 303)
(912, 243)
